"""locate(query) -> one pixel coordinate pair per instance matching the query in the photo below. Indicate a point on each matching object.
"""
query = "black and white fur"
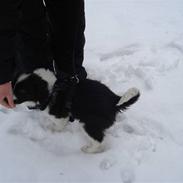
(94, 104)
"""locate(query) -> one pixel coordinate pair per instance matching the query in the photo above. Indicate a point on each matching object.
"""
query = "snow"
(130, 43)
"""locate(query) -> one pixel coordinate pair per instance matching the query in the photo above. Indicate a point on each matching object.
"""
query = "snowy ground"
(129, 43)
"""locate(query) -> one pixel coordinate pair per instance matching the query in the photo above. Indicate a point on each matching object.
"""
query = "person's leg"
(9, 18)
(33, 49)
(67, 21)
(80, 43)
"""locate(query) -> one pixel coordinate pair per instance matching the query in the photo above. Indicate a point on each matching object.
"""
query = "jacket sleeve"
(8, 25)
(6, 57)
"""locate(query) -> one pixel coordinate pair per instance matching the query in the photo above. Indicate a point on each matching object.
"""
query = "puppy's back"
(91, 95)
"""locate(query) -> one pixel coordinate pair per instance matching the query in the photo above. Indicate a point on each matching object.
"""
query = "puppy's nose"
(16, 101)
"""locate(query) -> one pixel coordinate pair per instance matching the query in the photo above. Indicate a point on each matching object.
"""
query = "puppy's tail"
(128, 98)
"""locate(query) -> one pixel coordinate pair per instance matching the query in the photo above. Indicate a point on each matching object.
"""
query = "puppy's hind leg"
(96, 137)
(93, 147)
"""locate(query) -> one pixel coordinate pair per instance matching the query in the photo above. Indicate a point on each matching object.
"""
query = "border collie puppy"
(93, 103)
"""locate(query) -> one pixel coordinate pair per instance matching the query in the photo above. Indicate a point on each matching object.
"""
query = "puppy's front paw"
(57, 124)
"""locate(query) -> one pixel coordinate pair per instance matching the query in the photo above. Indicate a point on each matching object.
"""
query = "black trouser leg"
(80, 42)
(67, 21)
(33, 49)
(9, 18)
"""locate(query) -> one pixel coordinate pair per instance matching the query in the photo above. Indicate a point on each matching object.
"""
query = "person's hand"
(6, 95)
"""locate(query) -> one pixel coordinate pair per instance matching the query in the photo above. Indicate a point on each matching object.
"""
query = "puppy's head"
(30, 87)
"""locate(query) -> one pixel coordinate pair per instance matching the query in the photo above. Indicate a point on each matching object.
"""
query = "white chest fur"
(52, 123)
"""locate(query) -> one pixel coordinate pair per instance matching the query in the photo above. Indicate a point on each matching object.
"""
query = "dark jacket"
(25, 32)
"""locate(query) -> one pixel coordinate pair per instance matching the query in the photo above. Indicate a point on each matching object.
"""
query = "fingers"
(5, 104)
(6, 95)
(10, 101)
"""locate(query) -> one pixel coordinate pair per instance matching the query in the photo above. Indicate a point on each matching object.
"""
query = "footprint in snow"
(107, 163)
